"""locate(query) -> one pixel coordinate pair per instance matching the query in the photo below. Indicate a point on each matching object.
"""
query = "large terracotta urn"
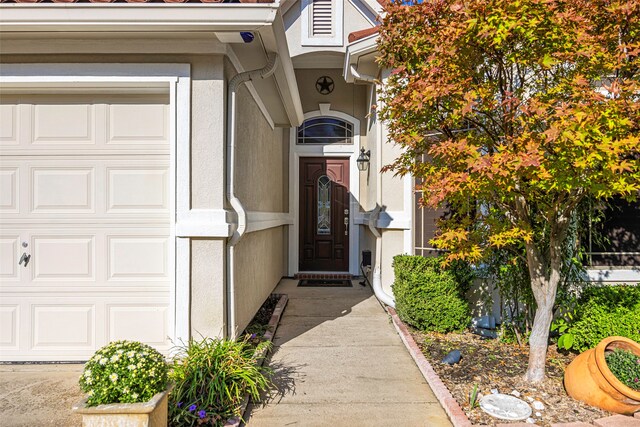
(589, 379)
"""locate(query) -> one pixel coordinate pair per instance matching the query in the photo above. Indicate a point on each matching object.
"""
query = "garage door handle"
(25, 258)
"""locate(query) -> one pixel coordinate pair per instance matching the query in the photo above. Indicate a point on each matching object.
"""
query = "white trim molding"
(350, 151)
(608, 275)
(258, 221)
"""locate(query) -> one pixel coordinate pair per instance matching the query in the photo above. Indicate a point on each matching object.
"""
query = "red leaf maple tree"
(512, 112)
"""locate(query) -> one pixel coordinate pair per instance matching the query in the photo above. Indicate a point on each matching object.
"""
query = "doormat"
(329, 283)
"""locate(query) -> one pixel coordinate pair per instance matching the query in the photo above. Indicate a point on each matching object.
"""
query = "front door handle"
(24, 258)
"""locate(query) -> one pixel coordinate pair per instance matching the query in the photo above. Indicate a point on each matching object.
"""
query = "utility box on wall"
(366, 258)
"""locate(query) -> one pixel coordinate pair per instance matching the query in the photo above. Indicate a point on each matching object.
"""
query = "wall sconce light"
(363, 160)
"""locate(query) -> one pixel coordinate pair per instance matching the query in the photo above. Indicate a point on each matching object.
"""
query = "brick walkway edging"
(450, 405)
(452, 408)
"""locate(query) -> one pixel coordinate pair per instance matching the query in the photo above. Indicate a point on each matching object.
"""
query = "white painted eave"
(96, 17)
(355, 51)
(285, 75)
(63, 19)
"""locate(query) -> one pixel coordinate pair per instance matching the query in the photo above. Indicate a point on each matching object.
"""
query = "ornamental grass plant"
(124, 372)
(212, 378)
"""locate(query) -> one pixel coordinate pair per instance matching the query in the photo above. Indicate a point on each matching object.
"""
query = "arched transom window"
(325, 130)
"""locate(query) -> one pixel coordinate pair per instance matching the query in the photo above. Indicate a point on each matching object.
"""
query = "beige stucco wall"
(260, 265)
(392, 195)
(261, 185)
(207, 162)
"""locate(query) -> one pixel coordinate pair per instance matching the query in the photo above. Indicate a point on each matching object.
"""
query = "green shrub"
(124, 372)
(625, 366)
(428, 296)
(211, 378)
(601, 312)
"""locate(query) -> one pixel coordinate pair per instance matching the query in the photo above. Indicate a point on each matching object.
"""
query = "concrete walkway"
(338, 361)
(39, 395)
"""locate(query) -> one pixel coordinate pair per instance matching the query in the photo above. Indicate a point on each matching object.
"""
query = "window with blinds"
(322, 18)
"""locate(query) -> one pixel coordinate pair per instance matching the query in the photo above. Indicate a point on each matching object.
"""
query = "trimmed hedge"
(428, 297)
(605, 311)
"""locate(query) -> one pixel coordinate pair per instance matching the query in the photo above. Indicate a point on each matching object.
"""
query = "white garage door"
(84, 237)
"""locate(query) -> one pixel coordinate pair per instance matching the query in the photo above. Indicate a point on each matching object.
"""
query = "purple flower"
(192, 408)
(253, 336)
(202, 414)
(179, 405)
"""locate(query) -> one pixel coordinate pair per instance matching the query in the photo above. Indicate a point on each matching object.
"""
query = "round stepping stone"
(505, 407)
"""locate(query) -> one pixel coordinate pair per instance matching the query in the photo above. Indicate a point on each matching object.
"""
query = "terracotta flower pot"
(589, 379)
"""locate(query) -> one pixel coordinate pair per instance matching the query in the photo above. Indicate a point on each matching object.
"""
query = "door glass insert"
(324, 205)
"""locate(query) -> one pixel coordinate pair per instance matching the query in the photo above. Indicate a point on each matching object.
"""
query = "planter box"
(146, 414)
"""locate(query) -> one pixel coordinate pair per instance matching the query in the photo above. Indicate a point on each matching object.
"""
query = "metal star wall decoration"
(324, 85)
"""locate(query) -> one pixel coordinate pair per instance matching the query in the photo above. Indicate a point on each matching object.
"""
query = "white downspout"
(361, 77)
(376, 283)
(235, 203)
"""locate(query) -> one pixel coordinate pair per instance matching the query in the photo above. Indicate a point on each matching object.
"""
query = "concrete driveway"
(39, 395)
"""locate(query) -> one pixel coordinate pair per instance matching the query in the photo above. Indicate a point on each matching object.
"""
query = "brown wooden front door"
(324, 214)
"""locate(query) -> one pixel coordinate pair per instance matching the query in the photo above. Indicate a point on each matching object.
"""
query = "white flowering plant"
(124, 372)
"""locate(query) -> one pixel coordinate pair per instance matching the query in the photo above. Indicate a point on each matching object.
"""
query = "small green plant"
(473, 397)
(428, 296)
(625, 365)
(211, 378)
(562, 324)
(124, 372)
(600, 312)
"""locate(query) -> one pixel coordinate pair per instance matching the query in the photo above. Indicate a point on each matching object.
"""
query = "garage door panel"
(63, 189)
(149, 127)
(138, 258)
(9, 257)
(63, 124)
(9, 324)
(63, 326)
(9, 124)
(138, 323)
(62, 258)
(136, 189)
(84, 181)
(9, 190)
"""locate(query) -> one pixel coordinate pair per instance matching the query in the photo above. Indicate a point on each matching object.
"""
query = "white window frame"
(306, 15)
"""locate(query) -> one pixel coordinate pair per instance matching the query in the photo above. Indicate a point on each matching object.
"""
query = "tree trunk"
(538, 341)
(545, 277)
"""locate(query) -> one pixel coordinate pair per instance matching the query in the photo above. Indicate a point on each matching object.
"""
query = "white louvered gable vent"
(322, 22)
(322, 18)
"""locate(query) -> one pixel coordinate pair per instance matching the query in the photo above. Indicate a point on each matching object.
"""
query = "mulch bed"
(494, 365)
